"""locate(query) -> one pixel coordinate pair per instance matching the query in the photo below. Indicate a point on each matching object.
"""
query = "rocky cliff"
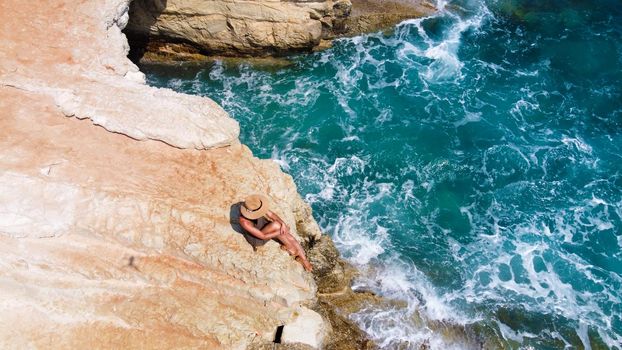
(174, 30)
(118, 201)
(249, 27)
(373, 15)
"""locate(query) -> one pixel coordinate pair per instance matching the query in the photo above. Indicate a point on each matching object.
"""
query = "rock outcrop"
(374, 15)
(117, 226)
(53, 56)
(182, 30)
(250, 27)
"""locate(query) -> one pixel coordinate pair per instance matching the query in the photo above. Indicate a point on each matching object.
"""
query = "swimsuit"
(260, 223)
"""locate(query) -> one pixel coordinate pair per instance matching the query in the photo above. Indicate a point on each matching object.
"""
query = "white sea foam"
(393, 328)
(509, 333)
(446, 64)
(542, 284)
(469, 117)
(578, 143)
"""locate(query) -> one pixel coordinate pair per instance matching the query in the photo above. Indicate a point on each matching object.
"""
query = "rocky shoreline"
(189, 30)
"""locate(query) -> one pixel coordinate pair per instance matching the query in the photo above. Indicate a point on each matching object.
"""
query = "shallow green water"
(469, 163)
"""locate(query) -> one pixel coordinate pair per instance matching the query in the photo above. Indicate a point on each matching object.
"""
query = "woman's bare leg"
(305, 263)
(289, 243)
(299, 253)
(271, 228)
(303, 260)
(285, 248)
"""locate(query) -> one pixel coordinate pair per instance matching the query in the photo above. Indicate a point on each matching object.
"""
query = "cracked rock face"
(252, 27)
(56, 53)
(117, 226)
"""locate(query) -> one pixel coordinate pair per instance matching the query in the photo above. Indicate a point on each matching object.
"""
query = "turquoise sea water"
(469, 164)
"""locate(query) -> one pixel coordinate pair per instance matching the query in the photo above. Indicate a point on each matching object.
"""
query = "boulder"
(234, 28)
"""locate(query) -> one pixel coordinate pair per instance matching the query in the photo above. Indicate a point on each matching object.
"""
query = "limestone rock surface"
(52, 50)
(375, 15)
(250, 27)
(117, 228)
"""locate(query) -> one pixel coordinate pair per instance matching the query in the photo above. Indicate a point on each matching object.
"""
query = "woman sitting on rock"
(259, 221)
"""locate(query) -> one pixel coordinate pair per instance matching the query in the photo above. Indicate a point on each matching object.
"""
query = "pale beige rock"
(51, 55)
(238, 27)
(107, 242)
(307, 328)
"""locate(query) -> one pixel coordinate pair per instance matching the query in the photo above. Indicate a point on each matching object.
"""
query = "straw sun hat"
(255, 206)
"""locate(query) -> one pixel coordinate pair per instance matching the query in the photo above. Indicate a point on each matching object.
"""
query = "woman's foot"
(305, 263)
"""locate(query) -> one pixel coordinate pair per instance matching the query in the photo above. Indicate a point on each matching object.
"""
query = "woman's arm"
(248, 226)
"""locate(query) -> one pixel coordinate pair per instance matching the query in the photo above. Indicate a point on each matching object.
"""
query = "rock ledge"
(190, 30)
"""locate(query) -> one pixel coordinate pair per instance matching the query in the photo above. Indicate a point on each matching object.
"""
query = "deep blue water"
(469, 163)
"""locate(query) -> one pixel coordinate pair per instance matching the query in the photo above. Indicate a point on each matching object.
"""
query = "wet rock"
(331, 273)
(336, 300)
(345, 334)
